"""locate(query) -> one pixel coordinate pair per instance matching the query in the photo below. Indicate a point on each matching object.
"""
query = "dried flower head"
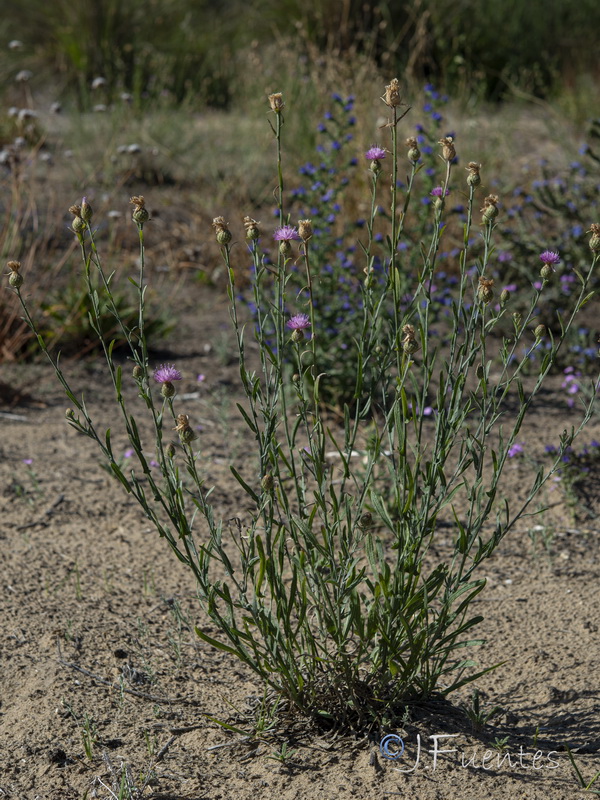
(252, 229)
(186, 434)
(414, 154)
(276, 102)
(448, 151)
(473, 178)
(490, 208)
(595, 237)
(305, 229)
(392, 96)
(409, 343)
(222, 231)
(86, 211)
(485, 290)
(140, 212)
(15, 279)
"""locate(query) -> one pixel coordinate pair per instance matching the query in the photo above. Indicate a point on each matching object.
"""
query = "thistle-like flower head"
(166, 373)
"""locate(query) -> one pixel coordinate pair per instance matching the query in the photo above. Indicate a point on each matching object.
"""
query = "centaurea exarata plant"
(335, 598)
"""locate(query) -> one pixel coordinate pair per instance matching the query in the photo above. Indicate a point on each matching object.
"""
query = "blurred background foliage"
(207, 52)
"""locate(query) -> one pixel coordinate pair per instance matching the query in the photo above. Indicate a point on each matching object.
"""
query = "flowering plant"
(336, 598)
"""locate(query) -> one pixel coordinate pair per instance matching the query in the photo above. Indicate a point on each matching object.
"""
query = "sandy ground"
(102, 675)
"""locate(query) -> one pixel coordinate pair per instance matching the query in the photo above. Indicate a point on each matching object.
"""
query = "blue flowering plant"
(328, 587)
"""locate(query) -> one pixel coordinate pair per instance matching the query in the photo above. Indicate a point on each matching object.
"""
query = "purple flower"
(515, 449)
(286, 234)
(438, 191)
(129, 452)
(299, 322)
(548, 257)
(167, 373)
(28, 461)
(201, 377)
(375, 154)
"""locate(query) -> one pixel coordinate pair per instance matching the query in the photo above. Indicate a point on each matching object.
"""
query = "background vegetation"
(202, 52)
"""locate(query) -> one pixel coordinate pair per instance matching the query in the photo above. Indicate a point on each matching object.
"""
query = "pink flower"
(300, 322)
(549, 257)
(438, 191)
(166, 373)
(515, 450)
(375, 154)
(286, 234)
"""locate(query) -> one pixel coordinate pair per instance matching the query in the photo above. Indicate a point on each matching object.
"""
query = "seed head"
(473, 178)
(392, 96)
(409, 343)
(252, 229)
(414, 154)
(186, 434)
(276, 102)
(490, 210)
(485, 290)
(15, 279)
(595, 238)
(448, 151)
(305, 229)
(140, 212)
(222, 231)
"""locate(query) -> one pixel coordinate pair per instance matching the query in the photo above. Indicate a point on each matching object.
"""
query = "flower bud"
(504, 297)
(167, 389)
(267, 483)
(480, 371)
(540, 331)
(296, 378)
(78, 225)
(517, 318)
(137, 371)
(170, 450)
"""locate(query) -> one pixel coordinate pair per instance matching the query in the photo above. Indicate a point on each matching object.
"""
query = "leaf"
(244, 485)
